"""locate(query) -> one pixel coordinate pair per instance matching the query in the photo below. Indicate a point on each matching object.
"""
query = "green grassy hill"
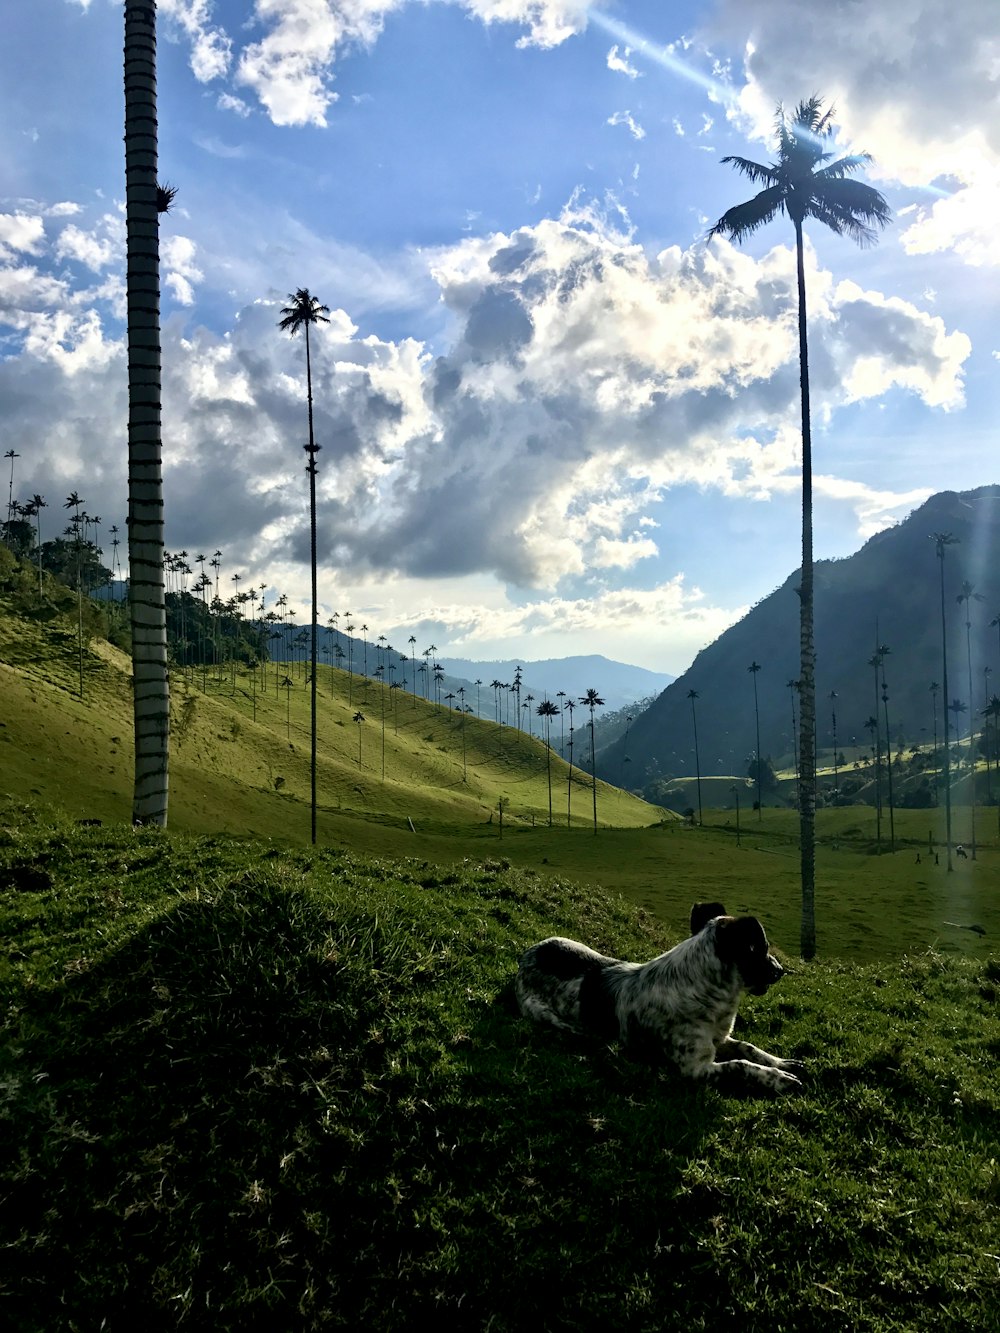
(250, 1087)
(240, 751)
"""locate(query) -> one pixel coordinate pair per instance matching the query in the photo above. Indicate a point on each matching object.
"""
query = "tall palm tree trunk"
(145, 482)
(311, 449)
(807, 647)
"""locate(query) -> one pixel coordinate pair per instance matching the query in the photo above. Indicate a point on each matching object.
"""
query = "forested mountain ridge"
(888, 594)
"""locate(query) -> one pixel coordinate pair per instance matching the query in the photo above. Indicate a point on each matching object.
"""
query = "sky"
(554, 419)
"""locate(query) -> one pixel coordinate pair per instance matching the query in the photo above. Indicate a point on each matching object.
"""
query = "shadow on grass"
(261, 1113)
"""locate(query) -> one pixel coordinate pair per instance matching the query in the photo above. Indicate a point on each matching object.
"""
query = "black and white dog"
(678, 1009)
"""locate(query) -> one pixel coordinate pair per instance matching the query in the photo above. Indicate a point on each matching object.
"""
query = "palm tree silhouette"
(803, 183)
(968, 595)
(992, 710)
(934, 688)
(836, 768)
(692, 695)
(145, 200)
(753, 668)
(591, 700)
(37, 505)
(793, 685)
(304, 310)
(547, 710)
(359, 717)
(11, 454)
(568, 707)
(942, 540)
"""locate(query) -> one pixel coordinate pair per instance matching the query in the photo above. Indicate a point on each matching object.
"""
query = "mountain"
(617, 683)
(887, 593)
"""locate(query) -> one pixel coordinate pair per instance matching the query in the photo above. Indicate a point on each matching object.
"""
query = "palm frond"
(845, 166)
(743, 220)
(305, 309)
(757, 172)
(851, 208)
(808, 116)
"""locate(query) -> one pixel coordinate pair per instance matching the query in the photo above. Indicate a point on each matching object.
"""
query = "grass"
(76, 755)
(251, 1086)
(240, 753)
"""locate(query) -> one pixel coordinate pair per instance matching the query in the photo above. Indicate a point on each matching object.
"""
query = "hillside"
(892, 583)
(240, 750)
(253, 1088)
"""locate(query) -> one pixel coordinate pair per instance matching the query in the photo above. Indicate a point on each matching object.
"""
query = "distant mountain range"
(887, 593)
(617, 683)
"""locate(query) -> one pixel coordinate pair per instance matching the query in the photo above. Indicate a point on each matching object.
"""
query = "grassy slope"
(77, 755)
(247, 1087)
(224, 762)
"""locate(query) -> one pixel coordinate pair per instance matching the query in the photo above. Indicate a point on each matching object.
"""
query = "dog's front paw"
(792, 1066)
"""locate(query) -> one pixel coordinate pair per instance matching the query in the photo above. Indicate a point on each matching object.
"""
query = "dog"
(677, 1010)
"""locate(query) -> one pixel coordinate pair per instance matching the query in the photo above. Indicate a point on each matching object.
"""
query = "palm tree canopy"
(304, 309)
(803, 183)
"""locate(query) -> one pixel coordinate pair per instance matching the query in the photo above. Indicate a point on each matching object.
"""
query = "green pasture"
(251, 1086)
(240, 765)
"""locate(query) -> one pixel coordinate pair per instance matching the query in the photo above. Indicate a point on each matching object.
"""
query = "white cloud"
(550, 22)
(620, 63)
(625, 118)
(914, 82)
(289, 68)
(85, 247)
(178, 256)
(584, 378)
(211, 48)
(20, 233)
(227, 102)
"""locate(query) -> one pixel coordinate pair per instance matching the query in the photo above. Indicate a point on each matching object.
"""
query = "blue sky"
(553, 421)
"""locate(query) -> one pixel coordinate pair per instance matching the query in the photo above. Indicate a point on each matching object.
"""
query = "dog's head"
(703, 913)
(740, 941)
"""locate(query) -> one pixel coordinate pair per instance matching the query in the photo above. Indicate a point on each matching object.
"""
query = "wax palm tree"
(875, 661)
(888, 755)
(305, 310)
(793, 685)
(968, 595)
(37, 505)
(753, 668)
(942, 540)
(11, 454)
(591, 700)
(992, 710)
(836, 765)
(74, 502)
(692, 695)
(547, 710)
(145, 200)
(803, 183)
(359, 718)
(568, 707)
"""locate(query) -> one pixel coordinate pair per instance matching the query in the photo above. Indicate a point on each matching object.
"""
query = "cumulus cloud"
(96, 252)
(20, 233)
(178, 256)
(585, 378)
(289, 68)
(915, 82)
(211, 48)
(549, 22)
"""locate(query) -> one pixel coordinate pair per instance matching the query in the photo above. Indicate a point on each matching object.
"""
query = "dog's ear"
(703, 913)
